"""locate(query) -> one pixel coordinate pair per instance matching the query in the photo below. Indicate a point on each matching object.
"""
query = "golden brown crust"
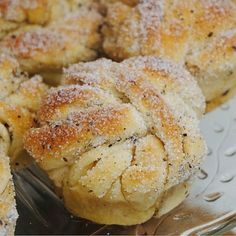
(8, 214)
(84, 130)
(124, 133)
(19, 99)
(82, 96)
(16, 121)
(215, 67)
(70, 39)
(15, 13)
(198, 34)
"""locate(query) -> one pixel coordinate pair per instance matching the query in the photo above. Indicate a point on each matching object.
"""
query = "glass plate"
(209, 209)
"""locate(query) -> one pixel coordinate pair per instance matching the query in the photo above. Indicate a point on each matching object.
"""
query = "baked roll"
(118, 139)
(15, 13)
(201, 35)
(46, 50)
(8, 213)
(19, 100)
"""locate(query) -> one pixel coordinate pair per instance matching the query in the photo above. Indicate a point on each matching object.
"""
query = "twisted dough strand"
(119, 136)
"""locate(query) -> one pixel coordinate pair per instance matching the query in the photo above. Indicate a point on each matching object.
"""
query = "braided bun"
(15, 13)
(46, 50)
(200, 35)
(117, 138)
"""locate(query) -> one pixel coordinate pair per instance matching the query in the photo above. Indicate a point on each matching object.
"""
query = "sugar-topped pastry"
(15, 13)
(46, 50)
(19, 100)
(8, 213)
(119, 140)
(201, 35)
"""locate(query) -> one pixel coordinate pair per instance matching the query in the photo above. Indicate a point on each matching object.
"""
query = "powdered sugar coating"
(151, 16)
(8, 213)
(71, 39)
(9, 8)
(116, 116)
(182, 31)
(29, 43)
(19, 97)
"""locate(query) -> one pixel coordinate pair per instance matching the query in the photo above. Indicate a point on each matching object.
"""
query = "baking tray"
(209, 209)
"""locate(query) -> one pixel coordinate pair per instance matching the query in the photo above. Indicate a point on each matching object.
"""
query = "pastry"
(15, 13)
(118, 139)
(8, 213)
(19, 100)
(46, 50)
(201, 35)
